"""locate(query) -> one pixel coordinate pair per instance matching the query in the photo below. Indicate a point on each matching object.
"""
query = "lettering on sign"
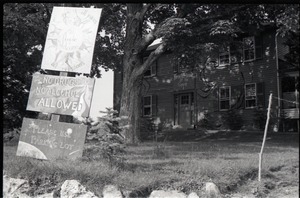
(50, 140)
(70, 39)
(61, 95)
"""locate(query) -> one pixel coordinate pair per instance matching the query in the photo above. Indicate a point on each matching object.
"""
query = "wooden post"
(55, 117)
(264, 139)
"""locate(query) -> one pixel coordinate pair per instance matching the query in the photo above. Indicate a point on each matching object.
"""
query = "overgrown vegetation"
(208, 122)
(260, 117)
(233, 120)
(104, 139)
(229, 160)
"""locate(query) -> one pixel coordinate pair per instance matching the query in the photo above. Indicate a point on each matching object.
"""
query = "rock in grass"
(14, 187)
(167, 194)
(47, 195)
(73, 189)
(193, 195)
(212, 191)
(111, 191)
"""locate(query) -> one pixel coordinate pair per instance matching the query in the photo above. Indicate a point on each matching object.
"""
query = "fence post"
(264, 139)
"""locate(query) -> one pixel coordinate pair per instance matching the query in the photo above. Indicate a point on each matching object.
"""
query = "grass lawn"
(229, 159)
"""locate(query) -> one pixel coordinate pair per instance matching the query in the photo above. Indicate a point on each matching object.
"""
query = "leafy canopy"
(191, 31)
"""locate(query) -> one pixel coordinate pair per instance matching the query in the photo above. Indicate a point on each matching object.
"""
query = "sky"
(102, 94)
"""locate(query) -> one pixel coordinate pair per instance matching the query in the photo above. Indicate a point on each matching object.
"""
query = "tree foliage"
(190, 31)
(24, 31)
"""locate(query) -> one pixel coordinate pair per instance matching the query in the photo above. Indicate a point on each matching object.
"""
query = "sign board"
(71, 39)
(50, 140)
(61, 95)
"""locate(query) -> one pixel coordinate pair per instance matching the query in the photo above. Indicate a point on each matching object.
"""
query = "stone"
(193, 195)
(73, 189)
(167, 194)
(111, 191)
(14, 187)
(47, 195)
(212, 191)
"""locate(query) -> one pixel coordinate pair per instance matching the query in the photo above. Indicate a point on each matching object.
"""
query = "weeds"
(166, 165)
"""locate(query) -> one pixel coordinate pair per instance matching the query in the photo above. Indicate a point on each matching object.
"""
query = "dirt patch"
(278, 182)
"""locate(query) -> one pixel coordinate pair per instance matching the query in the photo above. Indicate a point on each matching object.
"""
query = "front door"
(184, 110)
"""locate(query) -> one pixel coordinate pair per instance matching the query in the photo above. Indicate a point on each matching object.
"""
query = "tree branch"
(144, 10)
(150, 60)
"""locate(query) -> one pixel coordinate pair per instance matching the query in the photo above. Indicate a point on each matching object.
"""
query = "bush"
(12, 135)
(147, 128)
(207, 122)
(260, 118)
(233, 120)
(104, 139)
(154, 129)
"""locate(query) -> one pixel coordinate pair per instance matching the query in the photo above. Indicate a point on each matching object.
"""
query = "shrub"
(207, 122)
(233, 120)
(12, 135)
(260, 118)
(104, 137)
(154, 129)
(147, 128)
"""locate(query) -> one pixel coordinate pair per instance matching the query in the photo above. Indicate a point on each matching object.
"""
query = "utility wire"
(294, 102)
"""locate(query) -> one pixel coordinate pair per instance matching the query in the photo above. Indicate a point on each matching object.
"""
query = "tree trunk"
(133, 69)
(131, 89)
(130, 107)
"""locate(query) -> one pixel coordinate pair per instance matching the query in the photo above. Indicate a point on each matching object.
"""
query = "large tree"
(127, 31)
(24, 32)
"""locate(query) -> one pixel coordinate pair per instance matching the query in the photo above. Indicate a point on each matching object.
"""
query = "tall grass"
(168, 165)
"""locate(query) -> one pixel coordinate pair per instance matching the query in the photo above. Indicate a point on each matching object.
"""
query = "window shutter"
(237, 99)
(260, 92)
(142, 106)
(242, 97)
(215, 99)
(153, 69)
(258, 47)
(154, 105)
(175, 68)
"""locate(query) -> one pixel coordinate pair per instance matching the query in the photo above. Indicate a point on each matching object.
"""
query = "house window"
(148, 73)
(224, 98)
(151, 71)
(185, 99)
(147, 106)
(224, 57)
(250, 95)
(249, 48)
(252, 49)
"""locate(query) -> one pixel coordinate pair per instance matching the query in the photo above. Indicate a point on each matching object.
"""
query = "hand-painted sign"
(71, 38)
(61, 95)
(50, 140)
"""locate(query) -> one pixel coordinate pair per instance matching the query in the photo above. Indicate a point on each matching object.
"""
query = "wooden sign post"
(55, 117)
(49, 140)
(69, 48)
(61, 94)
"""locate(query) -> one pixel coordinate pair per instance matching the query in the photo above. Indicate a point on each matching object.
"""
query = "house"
(232, 92)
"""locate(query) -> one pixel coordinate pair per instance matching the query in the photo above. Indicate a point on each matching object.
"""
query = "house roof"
(154, 44)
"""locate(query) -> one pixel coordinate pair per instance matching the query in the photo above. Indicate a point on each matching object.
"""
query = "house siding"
(165, 84)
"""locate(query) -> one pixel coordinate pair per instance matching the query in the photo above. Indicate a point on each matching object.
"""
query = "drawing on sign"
(43, 139)
(28, 150)
(61, 94)
(70, 39)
